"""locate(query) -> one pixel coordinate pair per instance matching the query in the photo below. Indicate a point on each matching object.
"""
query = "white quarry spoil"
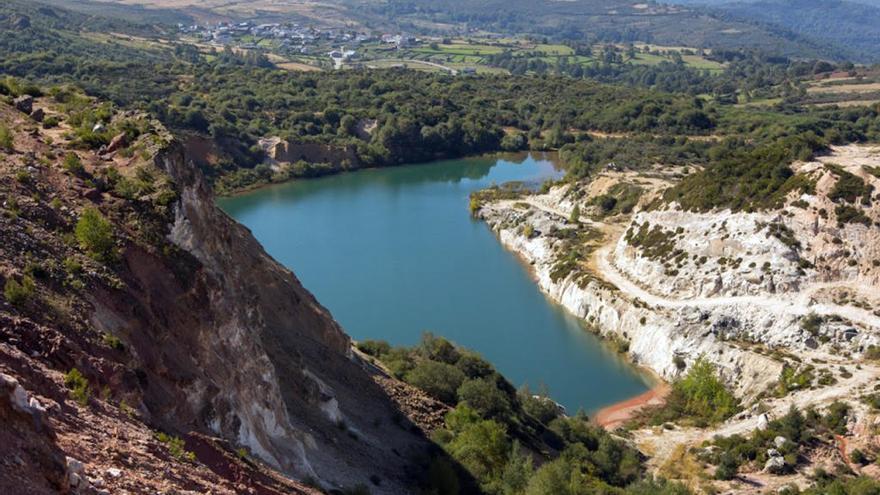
(735, 287)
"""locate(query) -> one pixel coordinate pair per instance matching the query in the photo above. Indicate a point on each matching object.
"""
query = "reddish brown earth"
(616, 415)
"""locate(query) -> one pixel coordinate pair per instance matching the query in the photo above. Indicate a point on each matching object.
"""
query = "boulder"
(779, 441)
(93, 195)
(117, 142)
(38, 114)
(773, 453)
(75, 470)
(24, 104)
(763, 422)
(774, 465)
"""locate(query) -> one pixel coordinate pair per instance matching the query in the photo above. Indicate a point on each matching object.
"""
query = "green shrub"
(481, 446)
(95, 234)
(375, 348)
(859, 457)
(439, 380)
(112, 342)
(849, 214)
(19, 294)
(575, 215)
(848, 187)
(727, 469)
(483, 396)
(6, 141)
(73, 164)
(51, 122)
(700, 397)
(78, 385)
(176, 447)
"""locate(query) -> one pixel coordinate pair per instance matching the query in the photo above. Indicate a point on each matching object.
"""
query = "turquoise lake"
(394, 252)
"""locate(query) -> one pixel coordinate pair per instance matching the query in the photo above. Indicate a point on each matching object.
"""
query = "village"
(310, 44)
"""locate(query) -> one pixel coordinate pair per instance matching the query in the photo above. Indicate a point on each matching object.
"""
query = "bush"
(438, 349)
(539, 406)
(699, 397)
(474, 366)
(375, 348)
(6, 142)
(858, 457)
(439, 380)
(728, 467)
(95, 234)
(176, 447)
(50, 122)
(479, 445)
(18, 294)
(78, 385)
(73, 164)
(705, 394)
(483, 396)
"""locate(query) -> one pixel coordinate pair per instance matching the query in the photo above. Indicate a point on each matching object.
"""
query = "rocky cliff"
(749, 290)
(182, 326)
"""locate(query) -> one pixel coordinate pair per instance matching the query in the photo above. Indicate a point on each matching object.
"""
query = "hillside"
(580, 20)
(852, 27)
(139, 323)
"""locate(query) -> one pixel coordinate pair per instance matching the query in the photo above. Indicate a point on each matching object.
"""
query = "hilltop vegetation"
(388, 117)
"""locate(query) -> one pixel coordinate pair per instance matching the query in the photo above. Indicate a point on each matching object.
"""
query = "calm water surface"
(394, 252)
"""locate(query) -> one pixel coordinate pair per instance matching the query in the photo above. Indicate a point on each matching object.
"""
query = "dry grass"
(298, 67)
(683, 466)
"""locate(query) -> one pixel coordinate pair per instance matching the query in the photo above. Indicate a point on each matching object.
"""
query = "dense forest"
(389, 117)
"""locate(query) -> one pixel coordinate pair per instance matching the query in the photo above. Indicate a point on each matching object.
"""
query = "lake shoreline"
(658, 387)
(473, 292)
(258, 186)
(616, 415)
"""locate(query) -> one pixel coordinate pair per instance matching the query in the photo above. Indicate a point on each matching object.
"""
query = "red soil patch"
(617, 414)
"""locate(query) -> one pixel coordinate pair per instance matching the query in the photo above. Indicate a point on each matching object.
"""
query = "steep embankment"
(118, 265)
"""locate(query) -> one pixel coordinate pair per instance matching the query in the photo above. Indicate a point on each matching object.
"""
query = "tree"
(483, 396)
(482, 448)
(439, 380)
(517, 472)
(575, 216)
(95, 234)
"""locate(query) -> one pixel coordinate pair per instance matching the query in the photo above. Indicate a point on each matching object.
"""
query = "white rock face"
(677, 285)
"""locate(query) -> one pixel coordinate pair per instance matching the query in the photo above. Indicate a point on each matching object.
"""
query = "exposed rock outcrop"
(186, 326)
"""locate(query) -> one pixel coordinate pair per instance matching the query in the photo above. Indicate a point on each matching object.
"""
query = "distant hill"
(850, 27)
(601, 20)
(833, 29)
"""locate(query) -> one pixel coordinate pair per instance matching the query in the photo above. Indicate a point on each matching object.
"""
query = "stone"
(118, 142)
(763, 422)
(779, 441)
(93, 195)
(114, 472)
(774, 465)
(24, 104)
(773, 453)
(38, 114)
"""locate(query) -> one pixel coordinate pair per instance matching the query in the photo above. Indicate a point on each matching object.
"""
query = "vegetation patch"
(95, 235)
(512, 442)
(78, 386)
(849, 214)
(700, 399)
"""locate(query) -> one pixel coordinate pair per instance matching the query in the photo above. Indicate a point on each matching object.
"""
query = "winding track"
(796, 304)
